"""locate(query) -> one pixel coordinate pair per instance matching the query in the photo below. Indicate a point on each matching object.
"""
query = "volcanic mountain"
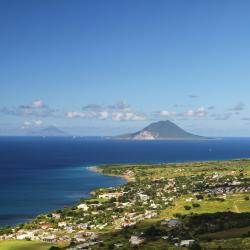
(162, 130)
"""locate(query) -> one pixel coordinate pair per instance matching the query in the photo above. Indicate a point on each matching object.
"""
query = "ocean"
(43, 174)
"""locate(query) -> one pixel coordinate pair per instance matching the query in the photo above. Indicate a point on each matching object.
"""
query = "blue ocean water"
(42, 174)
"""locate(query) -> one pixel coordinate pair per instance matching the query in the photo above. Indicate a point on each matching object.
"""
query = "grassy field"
(26, 245)
(231, 167)
(233, 202)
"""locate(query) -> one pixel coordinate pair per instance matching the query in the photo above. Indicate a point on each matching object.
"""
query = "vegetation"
(26, 245)
(196, 205)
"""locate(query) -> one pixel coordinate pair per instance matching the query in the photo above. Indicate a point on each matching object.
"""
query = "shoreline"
(162, 194)
(127, 178)
(96, 169)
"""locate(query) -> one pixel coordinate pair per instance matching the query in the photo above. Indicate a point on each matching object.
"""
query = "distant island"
(48, 131)
(162, 130)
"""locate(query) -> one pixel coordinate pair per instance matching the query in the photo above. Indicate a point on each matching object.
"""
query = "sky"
(98, 67)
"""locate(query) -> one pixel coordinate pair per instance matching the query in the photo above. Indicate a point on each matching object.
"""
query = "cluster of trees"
(209, 223)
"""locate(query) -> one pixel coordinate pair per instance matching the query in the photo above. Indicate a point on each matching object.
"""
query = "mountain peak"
(161, 130)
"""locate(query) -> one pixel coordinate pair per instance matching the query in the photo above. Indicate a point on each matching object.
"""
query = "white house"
(83, 206)
(186, 243)
(136, 240)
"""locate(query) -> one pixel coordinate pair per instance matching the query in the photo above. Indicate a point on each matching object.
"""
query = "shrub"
(199, 197)
(196, 205)
(187, 207)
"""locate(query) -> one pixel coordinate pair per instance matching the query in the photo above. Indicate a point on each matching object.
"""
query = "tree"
(196, 205)
(187, 207)
(195, 246)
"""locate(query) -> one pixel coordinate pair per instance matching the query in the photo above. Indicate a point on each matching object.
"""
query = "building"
(186, 243)
(83, 206)
(136, 240)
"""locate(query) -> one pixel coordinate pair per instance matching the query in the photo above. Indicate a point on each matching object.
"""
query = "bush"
(113, 199)
(187, 207)
(195, 246)
(196, 205)
(247, 198)
(177, 215)
(199, 197)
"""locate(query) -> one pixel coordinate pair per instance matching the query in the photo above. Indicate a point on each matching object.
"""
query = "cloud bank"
(36, 108)
(117, 112)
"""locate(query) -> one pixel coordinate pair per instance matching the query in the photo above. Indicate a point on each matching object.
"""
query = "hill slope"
(162, 130)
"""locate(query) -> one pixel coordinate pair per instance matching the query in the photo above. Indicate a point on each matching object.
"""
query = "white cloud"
(32, 124)
(36, 108)
(127, 116)
(38, 123)
(189, 113)
(199, 112)
(167, 113)
(104, 115)
(116, 112)
(74, 114)
(26, 123)
(37, 104)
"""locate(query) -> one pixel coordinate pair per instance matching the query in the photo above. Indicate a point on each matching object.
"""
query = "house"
(143, 197)
(49, 239)
(236, 183)
(62, 224)
(149, 214)
(80, 238)
(127, 224)
(46, 226)
(136, 240)
(110, 195)
(23, 237)
(56, 216)
(153, 205)
(83, 206)
(171, 222)
(118, 245)
(129, 172)
(186, 243)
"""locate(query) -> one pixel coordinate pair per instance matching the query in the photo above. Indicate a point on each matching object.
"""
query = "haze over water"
(42, 174)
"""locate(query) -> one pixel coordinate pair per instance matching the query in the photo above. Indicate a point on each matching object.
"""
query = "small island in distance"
(162, 130)
(48, 131)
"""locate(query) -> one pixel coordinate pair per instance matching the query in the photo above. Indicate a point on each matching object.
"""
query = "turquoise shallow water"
(42, 174)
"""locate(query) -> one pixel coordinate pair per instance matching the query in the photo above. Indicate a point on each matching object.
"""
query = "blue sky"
(104, 67)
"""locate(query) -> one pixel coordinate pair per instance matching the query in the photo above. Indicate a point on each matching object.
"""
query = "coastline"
(96, 169)
(99, 218)
(128, 179)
